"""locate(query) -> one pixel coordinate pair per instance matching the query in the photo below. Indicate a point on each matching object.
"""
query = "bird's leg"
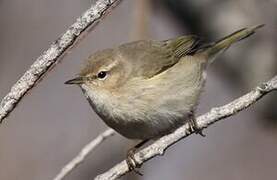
(193, 125)
(131, 162)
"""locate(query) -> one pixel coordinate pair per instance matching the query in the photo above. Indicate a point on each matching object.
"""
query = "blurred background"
(54, 121)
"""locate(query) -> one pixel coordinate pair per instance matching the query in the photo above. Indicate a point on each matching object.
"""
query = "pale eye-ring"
(102, 75)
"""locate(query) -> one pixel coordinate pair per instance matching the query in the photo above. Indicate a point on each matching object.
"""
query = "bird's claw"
(263, 88)
(131, 162)
(194, 127)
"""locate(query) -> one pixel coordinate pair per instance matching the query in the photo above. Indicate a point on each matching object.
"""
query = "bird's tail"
(219, 46)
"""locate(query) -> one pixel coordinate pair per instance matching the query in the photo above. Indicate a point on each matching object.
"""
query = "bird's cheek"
(91, 83)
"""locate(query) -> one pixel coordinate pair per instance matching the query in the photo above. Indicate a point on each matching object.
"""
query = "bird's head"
(105, 70)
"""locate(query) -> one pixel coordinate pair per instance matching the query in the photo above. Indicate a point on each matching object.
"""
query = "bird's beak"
(77, 80)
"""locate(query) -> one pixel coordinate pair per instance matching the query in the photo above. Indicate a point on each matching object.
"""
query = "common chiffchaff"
(146, 89)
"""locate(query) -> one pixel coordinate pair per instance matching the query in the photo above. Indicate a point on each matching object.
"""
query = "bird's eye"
(102, 75)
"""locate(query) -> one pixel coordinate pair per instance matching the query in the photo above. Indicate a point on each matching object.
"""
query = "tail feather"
(227, 41)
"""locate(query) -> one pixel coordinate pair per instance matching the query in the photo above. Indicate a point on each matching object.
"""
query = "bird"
(148, 88)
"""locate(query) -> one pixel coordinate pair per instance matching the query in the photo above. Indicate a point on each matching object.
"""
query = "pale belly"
(146, 119)
(149, 126)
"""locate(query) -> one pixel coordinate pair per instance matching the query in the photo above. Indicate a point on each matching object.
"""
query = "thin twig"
(50, 57)
(216, 114)
(84, 153)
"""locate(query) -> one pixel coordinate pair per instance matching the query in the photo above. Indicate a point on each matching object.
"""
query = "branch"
(216, 114)
(50, 57)
(84, 153)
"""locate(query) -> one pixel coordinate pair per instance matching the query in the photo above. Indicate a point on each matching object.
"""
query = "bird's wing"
(150, 58)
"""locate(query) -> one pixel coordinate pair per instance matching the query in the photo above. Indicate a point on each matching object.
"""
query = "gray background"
(54, 121)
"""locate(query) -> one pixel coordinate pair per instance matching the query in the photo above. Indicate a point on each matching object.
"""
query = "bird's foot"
(263, 88)
(131, 162)
(194, 127)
